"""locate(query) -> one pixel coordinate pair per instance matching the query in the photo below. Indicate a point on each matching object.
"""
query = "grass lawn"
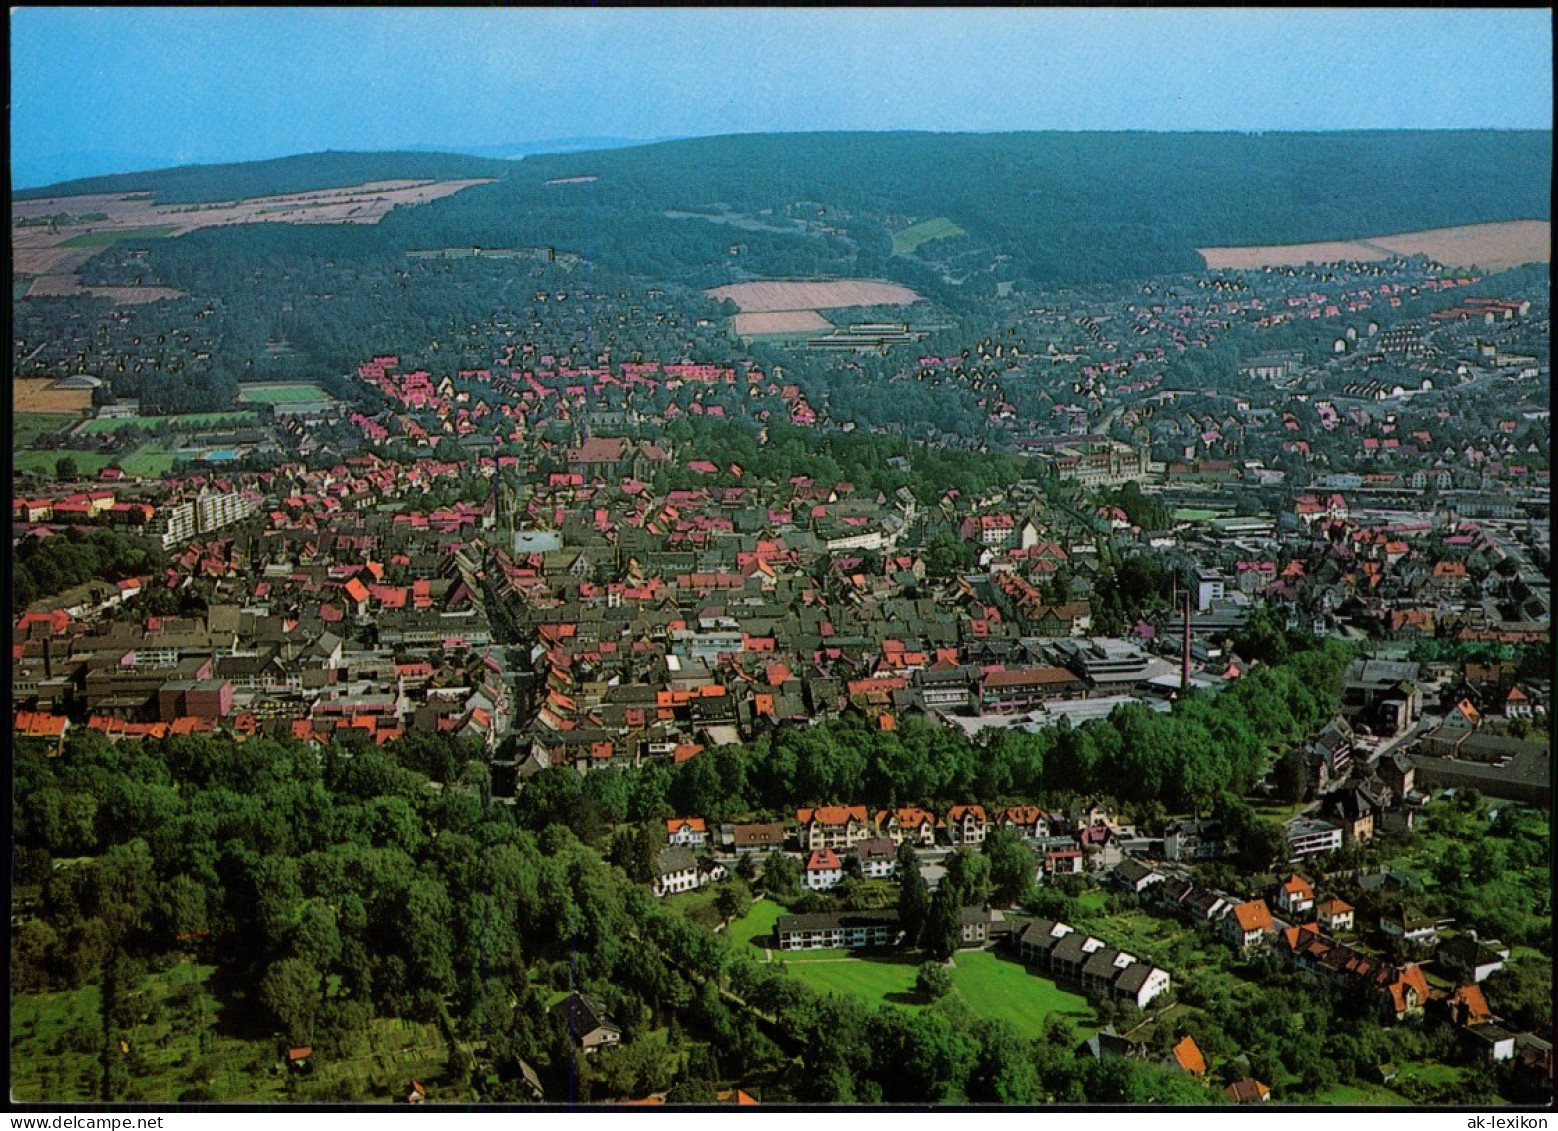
(1190, 514)
(992, 986)
(187, 420)
(872, 980)
(999, 988)
(27, 427)
(756, 927)
(1361, 1095)
(910, 239)
(87, 463)
(280, 394)
(119, 235)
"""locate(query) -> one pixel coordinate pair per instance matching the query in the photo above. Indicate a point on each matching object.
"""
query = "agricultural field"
(56, 255)
(1492, 247)
(180, 1049)
(780, 322)
(281, 394)
(102, 238)
(908, 240)
(34, 395)
(775, 295)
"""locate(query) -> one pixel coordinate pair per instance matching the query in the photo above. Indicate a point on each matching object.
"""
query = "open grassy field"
(147, 461)
(32, 426)
(910, 239)
(280, 394)
(186, 421)
(87, 463)
(105, 236)
(183, 1047)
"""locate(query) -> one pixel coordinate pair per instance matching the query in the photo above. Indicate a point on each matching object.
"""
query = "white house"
(822, 870)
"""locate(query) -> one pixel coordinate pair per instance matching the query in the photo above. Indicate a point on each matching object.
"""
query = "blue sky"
(203, 84)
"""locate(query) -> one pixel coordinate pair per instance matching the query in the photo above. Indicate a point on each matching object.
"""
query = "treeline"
(44, 566)
(1203, 753)
(863, 459)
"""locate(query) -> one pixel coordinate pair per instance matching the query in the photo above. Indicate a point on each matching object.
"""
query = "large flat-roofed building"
(825, 930)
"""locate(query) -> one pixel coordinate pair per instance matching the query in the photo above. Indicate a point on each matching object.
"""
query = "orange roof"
(909, 818)
(1335, 907)
(958, 812)
(1187, 1054)
(1297, 885)
(822, 860)
(38, 724)
(1475, 1007)
(832, 815)
(694, 823)
(1253, 916)
(356, 590)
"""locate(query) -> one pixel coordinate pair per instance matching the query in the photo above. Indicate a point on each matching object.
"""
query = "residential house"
(588, 1024)
(690, 832)
(1295, 897)
(1467, 956)
(918, 826)
(676, 870)
(1249, 925)
(1193, 840)
(1029, 820)
(1334, 915)
(757, 838)
(822, 870)
(1410, 924)
(878, 858)
(966, 824)
(833, 827)
(1134, 876)
(1247, 1091)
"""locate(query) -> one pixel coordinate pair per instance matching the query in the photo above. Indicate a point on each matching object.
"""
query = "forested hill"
(954, 215)
(189, 184)
(1034, 208)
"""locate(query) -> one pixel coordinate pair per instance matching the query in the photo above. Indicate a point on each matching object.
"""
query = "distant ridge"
(518, 149)
(188, 184)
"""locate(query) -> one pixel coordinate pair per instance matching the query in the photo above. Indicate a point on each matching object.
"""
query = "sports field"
(184, 421)
(280, 394)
